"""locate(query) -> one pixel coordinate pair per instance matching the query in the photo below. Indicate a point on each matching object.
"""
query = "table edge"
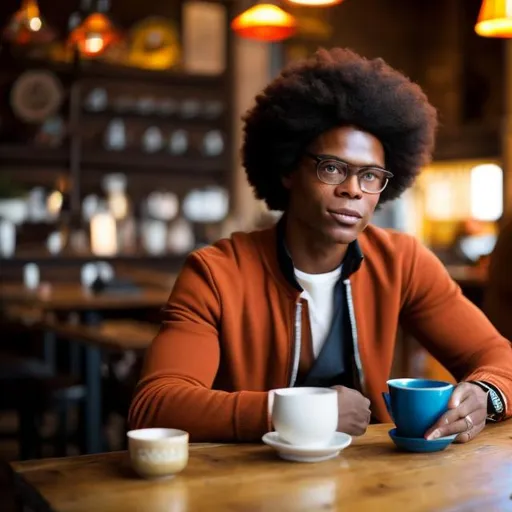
(26, 493)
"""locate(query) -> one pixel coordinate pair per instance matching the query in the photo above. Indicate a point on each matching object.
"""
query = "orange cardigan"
(228, 333)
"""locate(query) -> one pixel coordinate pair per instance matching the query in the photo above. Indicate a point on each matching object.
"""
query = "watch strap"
(495, 400)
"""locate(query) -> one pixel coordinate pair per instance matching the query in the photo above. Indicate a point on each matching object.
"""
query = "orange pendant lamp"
(26, 26)
(94, 35)
(495, 19)
(265, 22)
(315, 3)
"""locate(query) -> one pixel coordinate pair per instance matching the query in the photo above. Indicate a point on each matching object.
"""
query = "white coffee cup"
(305, 416)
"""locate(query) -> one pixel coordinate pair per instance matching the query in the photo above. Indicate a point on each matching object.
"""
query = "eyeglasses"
(333, 171)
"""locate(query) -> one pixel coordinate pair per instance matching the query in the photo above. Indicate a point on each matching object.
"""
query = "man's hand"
(466, 415)
(353, 411)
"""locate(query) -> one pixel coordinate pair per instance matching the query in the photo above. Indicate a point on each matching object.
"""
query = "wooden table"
(147, 276)
(73, 297)
(113, 335)
(370, 475)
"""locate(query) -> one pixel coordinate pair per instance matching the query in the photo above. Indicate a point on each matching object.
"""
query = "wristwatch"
(495, 405)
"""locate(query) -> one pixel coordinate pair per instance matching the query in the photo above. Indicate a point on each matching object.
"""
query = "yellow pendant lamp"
(265, 22)
(26, 26)
(495, 19)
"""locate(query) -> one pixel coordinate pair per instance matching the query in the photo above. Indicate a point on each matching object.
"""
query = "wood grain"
(369, 475)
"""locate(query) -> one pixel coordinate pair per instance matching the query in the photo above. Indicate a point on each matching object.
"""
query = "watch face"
(496, 401)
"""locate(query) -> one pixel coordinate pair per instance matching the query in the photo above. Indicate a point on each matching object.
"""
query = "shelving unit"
(88, 128)
(82, 153)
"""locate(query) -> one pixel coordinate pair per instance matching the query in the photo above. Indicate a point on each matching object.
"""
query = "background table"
(89, 336)
(73, 297)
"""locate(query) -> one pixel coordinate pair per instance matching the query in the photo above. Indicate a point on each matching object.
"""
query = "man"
(316, 301)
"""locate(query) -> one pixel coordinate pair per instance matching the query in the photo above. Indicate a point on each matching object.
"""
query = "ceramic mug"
(305, 416)
(416, 404)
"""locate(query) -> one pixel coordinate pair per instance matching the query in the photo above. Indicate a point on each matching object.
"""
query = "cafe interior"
(120, 132)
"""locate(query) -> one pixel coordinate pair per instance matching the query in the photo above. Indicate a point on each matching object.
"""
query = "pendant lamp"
(26, 26)
(94, 35)
(265, 22)
(315, 3)
(495, 19)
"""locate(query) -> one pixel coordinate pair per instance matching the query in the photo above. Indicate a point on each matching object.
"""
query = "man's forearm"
(208, 415)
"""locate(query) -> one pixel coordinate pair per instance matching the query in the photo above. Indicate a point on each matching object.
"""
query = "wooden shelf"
(156, 119)
(176, 165)
(83, 156)
(43, 258)
(131, 160)
(99, 70)
(33, 154)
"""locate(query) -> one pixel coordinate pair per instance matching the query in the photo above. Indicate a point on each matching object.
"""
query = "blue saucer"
(419, 444)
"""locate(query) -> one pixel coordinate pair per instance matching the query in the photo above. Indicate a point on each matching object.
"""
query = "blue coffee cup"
(416, 404)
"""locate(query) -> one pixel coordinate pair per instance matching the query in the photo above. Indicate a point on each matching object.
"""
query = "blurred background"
(119, 154)
(120, 122)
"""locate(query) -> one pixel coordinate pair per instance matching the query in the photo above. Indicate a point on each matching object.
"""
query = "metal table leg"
(93, 420)
(93, 399)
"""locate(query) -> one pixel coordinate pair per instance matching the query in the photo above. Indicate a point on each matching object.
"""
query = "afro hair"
(334, 88)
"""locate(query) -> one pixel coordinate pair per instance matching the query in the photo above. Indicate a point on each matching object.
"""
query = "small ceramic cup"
(158, 452)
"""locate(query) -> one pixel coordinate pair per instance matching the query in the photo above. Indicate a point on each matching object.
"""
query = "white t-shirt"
(319, 292)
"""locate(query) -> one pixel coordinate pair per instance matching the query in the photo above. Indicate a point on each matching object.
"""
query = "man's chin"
(343, 235)
(339, 240)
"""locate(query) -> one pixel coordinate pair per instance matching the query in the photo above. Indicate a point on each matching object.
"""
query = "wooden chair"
(31, 386)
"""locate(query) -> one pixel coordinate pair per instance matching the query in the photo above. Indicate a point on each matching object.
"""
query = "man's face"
(338, 213)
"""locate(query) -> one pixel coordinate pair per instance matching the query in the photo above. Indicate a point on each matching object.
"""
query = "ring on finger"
(469, 423)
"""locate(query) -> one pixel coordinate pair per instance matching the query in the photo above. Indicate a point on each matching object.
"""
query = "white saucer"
(296, 453)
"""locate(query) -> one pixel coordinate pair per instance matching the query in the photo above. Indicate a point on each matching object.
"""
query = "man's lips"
(346, 216)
